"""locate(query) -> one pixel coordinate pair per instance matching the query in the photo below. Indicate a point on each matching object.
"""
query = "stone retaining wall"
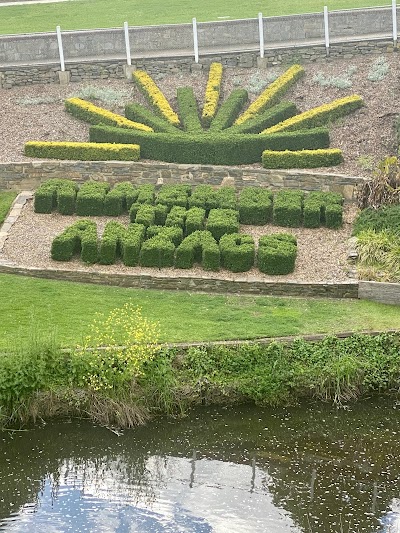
(29, 175)
(386, 293)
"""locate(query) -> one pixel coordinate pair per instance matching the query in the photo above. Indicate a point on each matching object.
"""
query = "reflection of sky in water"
(178, 496)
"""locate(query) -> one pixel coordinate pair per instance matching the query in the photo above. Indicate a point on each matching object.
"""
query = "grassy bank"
(84, 14)
(66, 309)
(6, 199)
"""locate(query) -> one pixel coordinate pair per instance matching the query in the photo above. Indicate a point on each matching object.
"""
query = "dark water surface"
(235, 470)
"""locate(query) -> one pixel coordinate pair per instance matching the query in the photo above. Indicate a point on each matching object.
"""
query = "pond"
(312, 468)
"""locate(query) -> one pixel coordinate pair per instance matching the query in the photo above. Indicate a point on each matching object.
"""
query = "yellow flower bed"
(272, 93)
(213, 90)
(318, 115)
(155, 96)
(83, 151)
(97, 115)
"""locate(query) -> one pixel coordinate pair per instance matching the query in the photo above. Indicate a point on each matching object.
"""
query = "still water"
(235, 470)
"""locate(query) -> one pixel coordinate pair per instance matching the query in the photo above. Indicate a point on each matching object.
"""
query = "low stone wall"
(160, 282)
(90, 69)
(29, 175)
(386, 293)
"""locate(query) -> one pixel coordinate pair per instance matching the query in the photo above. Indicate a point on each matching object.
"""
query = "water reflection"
(228, 470)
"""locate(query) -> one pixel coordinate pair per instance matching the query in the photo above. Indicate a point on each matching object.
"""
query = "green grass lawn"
(6, 199)
(33, 306)
(82, 14)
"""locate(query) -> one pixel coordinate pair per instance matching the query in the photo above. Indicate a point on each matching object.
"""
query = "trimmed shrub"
(229, 110)
(157, 252)
(145, 214)
(176, 217)
(115, 202)
(266, 119)
(90, 198)
(302, 158)
(287, 209)
(144, 194)
(255, 206)
(226, 197)
(237, 252)
(211, 97)
(171, 233)
(195, 220)
(97, 115)
(319, 115)
(91, 151)
(155, 96)
(56, 193)
(188, 111)
(137, 112)
(79, 238)
(222, 221)
(317, 205)
(213, 149)
(172, 195)
(199, 247)
(204, 196)
(272, 94)
(119, 240)
(277, 253)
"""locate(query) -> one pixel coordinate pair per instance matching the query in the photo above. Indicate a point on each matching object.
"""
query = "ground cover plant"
(6, 199)
(210, 132)
(97, 14)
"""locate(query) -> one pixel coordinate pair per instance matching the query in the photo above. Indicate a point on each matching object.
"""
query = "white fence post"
(326, 29)
(60, 48)
(127, 44)
(195, 40)
(394, 20)
(261, 32)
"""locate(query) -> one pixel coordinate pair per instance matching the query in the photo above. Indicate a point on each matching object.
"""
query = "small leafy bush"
(237, 252)
(204, 196)
(379, 69)
(121, 241)
(288, 207)
(157, 252)
(276, 254)
(115, 202)
(221, 221)
(199, 247)
(171, 233)
(176, 217)
(90, 198)
(79, 238)
(255, 206)
(195, 220)
(302, 158)
(174, 195)
(323, 208)
(56, 193)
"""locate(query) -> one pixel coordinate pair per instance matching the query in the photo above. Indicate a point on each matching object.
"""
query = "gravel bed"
(365, 137)
(322, 253)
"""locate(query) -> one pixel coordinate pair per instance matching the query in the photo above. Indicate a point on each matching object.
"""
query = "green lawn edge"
(6, 200)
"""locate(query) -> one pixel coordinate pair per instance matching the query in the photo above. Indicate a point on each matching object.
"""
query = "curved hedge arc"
(220, 134)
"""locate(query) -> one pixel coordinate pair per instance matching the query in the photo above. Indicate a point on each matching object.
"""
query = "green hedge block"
(80, 237)
(56, 193)
(277, 253)
(333, 216)
(222, 221)
(146, 194)
(157, 252)
(255, 206)
(266, 119)
(188, 110)
(90, 198)
(199, 247)
(316, 206)
(139, 113)
(173, 195)
(115, 202)
(287, 208)
(301, 158)
(237, 252)
(226, 198)
(229, 110)
(195, 220)
(204, 196)
(121, 241)
(83, 151)
(176, 217)
(146, 214)
(171, 233)
(211, 148)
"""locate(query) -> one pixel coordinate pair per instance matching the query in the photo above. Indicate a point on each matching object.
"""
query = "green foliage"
(237, 252)
(276, 254)
(226, 197)
(56, 193)
(204, 196)
(118, 240)
(115, 202)
(145, 214)
(157, 252)
(255, 206)
(222, 221)
(173, 195)
(229, 110)
(90, 198)
(6, 200)
(266, 119)
(85, 151)
(384, 218)
(301, 158)
(378, 255)
(195, 220)
(199, 247)
(287, 210)
(171, 233)
(188, 110)
(79, 238)
(323, 208)
(176, 217)
(210, 149)
(139, 113)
